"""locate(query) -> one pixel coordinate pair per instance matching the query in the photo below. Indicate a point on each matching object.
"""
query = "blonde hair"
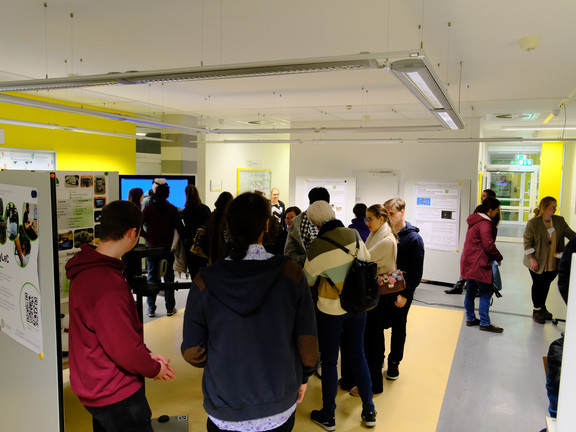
(543, 205)
(397, 204)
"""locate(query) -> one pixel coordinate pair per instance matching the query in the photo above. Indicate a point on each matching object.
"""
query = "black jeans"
(385, 315)
(541, 286)
(130, 415)
(286, 427)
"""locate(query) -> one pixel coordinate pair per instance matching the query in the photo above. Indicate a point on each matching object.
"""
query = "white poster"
(79, 201)
(437, 214)
(338, 189)
(20, 298)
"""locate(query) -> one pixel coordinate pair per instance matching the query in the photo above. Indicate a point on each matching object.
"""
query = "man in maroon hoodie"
(107, 354)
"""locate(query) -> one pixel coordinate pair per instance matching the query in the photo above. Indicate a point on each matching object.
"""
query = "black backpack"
(360, 292)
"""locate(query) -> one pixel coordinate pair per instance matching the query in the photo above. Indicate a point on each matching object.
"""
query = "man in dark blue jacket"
(410, 259)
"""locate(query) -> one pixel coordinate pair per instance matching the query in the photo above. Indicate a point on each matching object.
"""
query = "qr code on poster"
(31, 309)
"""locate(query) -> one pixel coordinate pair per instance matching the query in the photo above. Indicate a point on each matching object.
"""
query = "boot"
(547, 314)
(539, 316)
(457, 288)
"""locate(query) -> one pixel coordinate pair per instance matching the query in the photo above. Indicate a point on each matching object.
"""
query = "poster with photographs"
(80, 198)
(437, 214)
(20, 298)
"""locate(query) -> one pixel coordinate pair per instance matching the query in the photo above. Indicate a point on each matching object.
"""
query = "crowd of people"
(266, 296)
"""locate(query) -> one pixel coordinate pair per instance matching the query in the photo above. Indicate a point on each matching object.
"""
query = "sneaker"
(539, 316)
(369, 419)
(473, 323)
(392, 373)
(317, 416)
(491, 328)
(151, 314)
(172, 312)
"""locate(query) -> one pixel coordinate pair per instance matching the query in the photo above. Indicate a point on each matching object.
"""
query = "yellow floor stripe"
(410, 404)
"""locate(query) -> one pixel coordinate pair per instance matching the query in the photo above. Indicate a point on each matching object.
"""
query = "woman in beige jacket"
(381, 244)
(543, 246)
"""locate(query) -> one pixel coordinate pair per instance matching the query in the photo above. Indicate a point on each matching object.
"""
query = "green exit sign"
(520, 157)
(522, 162)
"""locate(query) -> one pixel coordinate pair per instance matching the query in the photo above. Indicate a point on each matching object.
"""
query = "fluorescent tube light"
(419, 77)
(238, 70)
(77, 129)
(538, 128)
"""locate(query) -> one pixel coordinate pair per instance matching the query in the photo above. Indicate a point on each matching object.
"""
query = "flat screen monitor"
(177, 186)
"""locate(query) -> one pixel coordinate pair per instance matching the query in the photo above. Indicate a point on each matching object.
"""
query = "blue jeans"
(154, 277)
(485, 292)
(351, 328)
(130, 415)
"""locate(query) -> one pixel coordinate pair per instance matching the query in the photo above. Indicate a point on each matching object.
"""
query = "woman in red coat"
(476, 263)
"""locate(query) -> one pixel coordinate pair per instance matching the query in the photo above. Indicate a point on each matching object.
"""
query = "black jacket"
(410, 257)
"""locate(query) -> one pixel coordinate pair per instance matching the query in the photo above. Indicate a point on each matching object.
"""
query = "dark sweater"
(251, 326)
(410, 258)
(359, 225)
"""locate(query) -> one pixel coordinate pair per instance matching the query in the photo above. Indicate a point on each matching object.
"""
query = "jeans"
(541, 286)
(385, 315)
(154, 277)
(351, 328)
(286, 427)
(130, 415)
(485, 294)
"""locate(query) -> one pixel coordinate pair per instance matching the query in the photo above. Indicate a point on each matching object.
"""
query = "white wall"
(409, 161)
(223, 160)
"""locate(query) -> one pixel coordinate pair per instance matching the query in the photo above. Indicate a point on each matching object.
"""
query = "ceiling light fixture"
(538, 128)
(478, 140)
(77, 129)
(418, 76)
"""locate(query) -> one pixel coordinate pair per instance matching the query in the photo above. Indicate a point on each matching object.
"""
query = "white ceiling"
(474, 47)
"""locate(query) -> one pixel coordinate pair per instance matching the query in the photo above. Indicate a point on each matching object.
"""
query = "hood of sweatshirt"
(476, 218)
(242, 286)
(88, 258)
(408, 229)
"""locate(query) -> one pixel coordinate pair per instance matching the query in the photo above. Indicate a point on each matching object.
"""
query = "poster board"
(342, 194)
(440, 264)
(250, 180)
(31, 389)
(80, 197)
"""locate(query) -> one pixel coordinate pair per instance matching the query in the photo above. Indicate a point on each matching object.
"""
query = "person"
(303, 232)
(218, 235)
(278, 207)
(136, 196)
(274, 240)
(543, 246)
(564, 269)
(161, 219)
(459, 286)
(381, 244)
(195, 215)
(358, 223)
(291, 213)
(148, 196)
(409, 259)
(326, 261)
(476, 263)
(255, 310)
(107, 354)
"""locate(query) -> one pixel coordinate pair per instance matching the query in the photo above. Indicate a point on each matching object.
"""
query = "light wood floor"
(412, 403)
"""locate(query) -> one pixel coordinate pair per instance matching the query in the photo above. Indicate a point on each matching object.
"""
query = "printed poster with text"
(20, 298)
(437, 214)
(79, 201)
(338, 189)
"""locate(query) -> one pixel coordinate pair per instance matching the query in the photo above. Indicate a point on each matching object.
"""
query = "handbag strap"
(338, 245)
(346, 250)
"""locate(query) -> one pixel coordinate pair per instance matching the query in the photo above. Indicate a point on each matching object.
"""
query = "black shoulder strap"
(338, 245)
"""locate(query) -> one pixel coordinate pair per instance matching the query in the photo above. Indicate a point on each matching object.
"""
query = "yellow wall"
(74, 150)
(551, 162)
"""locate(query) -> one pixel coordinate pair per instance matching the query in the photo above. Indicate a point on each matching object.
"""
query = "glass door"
(517, 192)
